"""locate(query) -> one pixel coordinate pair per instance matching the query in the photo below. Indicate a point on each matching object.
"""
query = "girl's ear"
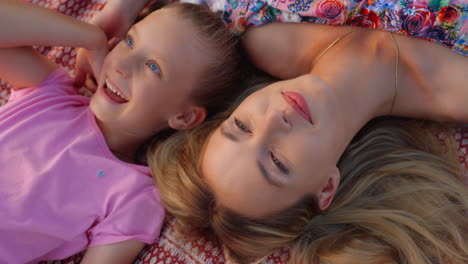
(328, 191)
(192, 116)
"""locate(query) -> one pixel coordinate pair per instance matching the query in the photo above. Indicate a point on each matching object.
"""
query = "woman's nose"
(275, 121)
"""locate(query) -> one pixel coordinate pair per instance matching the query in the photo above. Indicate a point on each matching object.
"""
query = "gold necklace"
(396, 60)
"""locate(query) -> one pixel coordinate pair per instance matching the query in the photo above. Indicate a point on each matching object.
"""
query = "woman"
(265, 172)
(339, 101)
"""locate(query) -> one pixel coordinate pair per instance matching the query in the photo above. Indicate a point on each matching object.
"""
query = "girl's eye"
(241, 125)
(129, 41)
(278, 164)
(153, 66)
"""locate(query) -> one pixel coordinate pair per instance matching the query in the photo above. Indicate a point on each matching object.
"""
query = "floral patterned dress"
(440, 21)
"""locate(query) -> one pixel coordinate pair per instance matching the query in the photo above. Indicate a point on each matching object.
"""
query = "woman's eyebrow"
(227, 133)
(267, 175)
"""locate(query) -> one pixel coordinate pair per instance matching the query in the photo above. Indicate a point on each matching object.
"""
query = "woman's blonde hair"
(400, 201)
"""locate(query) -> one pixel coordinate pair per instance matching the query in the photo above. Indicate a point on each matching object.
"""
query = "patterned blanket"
(171, 248)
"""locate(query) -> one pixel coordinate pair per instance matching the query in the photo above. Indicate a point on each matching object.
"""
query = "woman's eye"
(278, 164)
(153, 67)
(241, 125)
(129, 41)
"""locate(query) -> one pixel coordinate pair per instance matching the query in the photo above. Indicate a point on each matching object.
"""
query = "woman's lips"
(298, 103)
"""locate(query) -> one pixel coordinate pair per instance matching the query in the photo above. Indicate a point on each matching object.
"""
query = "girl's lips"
(113, 92)
(114, 88)
(112, 96)
(298, 103)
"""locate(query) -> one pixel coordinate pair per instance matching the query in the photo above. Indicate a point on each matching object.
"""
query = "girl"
(265, 176)
(71, 180)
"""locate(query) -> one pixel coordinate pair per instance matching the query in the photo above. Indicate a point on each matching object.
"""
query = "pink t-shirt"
(61, 189)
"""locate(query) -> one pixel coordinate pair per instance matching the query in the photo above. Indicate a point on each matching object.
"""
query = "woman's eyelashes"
(241, 126)
(277, 163)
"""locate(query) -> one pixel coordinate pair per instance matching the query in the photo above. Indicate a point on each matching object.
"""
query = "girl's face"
(150, 75)
(278, 146)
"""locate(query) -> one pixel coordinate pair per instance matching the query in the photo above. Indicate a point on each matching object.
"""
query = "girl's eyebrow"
(134, 31)
(163, 69)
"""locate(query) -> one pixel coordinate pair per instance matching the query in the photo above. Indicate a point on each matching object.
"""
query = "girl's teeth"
(114, 90)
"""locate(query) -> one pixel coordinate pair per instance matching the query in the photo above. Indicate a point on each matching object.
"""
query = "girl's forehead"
(166, 14)
(173, 26)
(164, 34)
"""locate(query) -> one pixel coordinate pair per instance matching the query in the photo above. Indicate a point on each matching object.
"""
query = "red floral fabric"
(171, 248)
(441, 21)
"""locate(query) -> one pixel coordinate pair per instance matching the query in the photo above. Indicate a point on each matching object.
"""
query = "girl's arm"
(24, 25)
(121, 253)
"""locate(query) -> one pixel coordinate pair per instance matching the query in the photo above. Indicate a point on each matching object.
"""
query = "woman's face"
(278, 146)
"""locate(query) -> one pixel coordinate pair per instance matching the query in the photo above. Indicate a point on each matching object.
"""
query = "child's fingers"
(90, 83)
(96, 61)
(80, 69)
(114, 41)
(80, 78)
(96, 70)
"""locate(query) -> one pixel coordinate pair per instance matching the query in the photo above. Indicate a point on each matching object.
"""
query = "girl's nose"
(122, 72)
(123, 65)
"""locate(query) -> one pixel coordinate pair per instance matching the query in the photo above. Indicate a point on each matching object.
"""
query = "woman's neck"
(358, 73)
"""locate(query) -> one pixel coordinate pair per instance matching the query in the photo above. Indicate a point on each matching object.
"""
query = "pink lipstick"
(298, 103)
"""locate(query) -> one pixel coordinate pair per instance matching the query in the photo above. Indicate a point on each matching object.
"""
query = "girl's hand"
(117, 17)
(115, 20)
(38, 26)
(88, 66)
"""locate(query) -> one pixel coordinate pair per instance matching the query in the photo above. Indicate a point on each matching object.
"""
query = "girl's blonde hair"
(220, 81)
(400, 201)
(223, 79)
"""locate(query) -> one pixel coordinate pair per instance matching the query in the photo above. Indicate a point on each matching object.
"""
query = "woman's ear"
(192, 116)
(328, 191)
